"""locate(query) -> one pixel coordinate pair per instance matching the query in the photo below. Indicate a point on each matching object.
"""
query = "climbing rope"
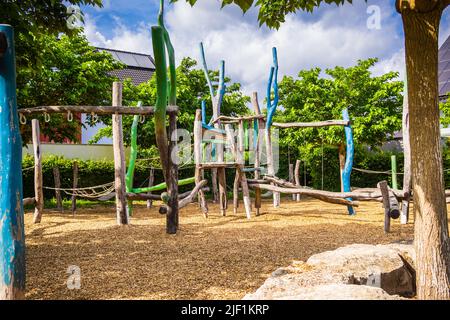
(88, 192)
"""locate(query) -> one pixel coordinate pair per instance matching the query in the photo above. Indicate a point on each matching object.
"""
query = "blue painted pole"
(350, 153)
(272, 83)
(12, 238)
(204, 113)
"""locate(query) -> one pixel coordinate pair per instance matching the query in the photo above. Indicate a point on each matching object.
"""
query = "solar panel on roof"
(128, 59)
(445, 89)
(144, 62)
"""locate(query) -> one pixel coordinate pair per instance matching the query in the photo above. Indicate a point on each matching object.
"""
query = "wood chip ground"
(214, 258)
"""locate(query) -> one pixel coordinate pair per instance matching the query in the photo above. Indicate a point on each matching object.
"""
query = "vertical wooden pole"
(407, 185)
(259, 127)
(57, 178)
(386, 204)
(74, 186)
(237, 180)
(12, 238)
(38, 190)
(119, 157)
(172, 183)
(198, 160)
(242, 177)
(297, 177)
(270, 165)
(291, 178)
(151, 179)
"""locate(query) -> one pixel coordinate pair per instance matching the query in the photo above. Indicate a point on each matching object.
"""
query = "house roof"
(444, 68)
(139, 66)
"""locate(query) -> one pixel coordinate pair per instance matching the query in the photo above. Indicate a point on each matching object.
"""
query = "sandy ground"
(214, 258)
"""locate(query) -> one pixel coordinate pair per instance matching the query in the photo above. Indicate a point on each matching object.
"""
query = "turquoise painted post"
(204, 113)
(272, 83)
(350, 153)
(12, 238)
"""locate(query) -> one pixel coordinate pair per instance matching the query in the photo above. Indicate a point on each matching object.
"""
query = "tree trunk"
(341, 164)
(431, 226)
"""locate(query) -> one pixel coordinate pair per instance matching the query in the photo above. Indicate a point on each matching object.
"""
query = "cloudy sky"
(330, 36)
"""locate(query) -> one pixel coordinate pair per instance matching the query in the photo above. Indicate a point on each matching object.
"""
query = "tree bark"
(341, 164)
(431, 226)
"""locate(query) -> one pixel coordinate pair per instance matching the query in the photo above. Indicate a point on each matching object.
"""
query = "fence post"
(394, 172)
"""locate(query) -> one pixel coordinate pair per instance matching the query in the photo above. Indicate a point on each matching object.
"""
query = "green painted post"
(394, 172)
(12, 238)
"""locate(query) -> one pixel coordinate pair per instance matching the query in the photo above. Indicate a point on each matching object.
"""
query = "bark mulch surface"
(214, 258)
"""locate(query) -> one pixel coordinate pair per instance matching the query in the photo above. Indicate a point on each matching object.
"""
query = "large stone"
(386, 268)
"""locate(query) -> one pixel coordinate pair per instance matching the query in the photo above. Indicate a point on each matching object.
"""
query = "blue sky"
(330, 36)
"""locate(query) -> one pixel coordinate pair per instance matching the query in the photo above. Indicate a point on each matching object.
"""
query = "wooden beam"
(119, 158)
(223, 119)
(99, 110)
(38, 177)
(321, 195)
(210, 165)
(198, 188)
(318, 124)
(242, 177)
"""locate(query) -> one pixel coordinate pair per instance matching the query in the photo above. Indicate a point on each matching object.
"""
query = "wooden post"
(291, 178)
(198, 160)
(407, 185)
(258, 127)
(172, 183)
(119, 158)
(386, 204)
(151, 180)
(394, 172)
(297, 177)
(57, 178)
(237, 180)
(74, 186)
(38, 190)
(242, 177)
(12, 239)
(270, 165)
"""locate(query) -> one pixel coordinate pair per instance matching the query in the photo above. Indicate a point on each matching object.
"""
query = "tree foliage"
(71, 73)
(33, 18)
(374, 103)
(273, 12)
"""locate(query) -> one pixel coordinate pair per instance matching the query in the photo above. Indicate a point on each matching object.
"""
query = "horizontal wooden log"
(321, 195)
(184, 202)
(99, 110)
(211, 165)
(327, 123)
(29, 201)
(237, 119)
(359, 194)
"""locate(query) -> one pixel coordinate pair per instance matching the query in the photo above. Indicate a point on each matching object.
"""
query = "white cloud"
(329, 37)
(124, 38)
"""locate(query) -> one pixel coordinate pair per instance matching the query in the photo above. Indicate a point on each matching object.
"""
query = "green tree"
(374, 103)
(33, 18)
(191, 89)
(71, 73)
(421, 20)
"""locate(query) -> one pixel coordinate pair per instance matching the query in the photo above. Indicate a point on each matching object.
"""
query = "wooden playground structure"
(224, 142)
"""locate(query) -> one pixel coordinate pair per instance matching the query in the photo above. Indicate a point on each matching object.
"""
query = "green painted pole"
(12, 238)
(163, 186)
(394, 172)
